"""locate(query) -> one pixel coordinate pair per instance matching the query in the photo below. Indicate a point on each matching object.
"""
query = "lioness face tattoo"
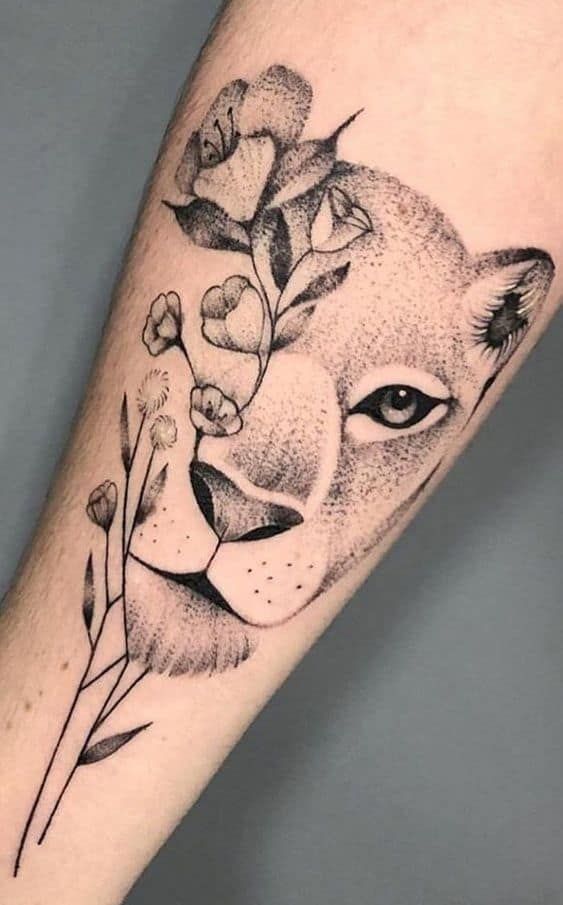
(344, 355)
(376, 334)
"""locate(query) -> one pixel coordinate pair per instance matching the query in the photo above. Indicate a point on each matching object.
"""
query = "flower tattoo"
(102, 504)
(233, 315)
(214, 413)
(163, 328)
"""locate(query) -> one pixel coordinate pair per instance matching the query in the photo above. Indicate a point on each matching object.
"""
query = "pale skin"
(465, 114)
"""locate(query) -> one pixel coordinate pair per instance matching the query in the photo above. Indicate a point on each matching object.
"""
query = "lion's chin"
(179, 626)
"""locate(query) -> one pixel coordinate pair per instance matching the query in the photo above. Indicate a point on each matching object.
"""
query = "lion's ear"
(504, 299)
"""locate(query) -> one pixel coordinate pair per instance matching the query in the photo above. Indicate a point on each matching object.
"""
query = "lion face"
(369, 386)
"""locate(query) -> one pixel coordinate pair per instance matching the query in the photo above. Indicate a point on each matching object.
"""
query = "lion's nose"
(233, 514)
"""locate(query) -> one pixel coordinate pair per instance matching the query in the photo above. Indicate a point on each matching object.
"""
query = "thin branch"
(184, 352)
(72, 772)
(104, 716)
(140, 499)
(55, 751)
(102, 673)
(106, 569)
(126, 490)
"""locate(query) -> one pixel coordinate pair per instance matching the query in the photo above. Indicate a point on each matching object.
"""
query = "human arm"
(163, 260)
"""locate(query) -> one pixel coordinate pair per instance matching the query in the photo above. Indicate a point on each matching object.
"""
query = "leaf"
(280, 250)
(153, 491)
(124, 435)
(209, 226)
(295, 315)
(321, 285)
(108, 746)
(89, 597)
(290, 328)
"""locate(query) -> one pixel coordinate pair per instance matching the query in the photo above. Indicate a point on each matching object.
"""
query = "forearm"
(292, 420)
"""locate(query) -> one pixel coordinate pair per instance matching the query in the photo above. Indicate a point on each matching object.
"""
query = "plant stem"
(126, 491)
(86, 685)
(106, 569)
(102, 717)
(83, 748)
(55, 751)
(184, 352)
(140, 500)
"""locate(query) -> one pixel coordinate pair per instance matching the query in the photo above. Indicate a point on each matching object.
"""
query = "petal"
(213, 303)
(233, 287)
(174, 305)
(234, 426)
(189, 165)
(149, 332)
(323, 224)
(158, 307)
(157, 346)
(215, 332)
(209, 226)
(168, 328)
(344, 233)
(245, 323)
(278, 102)
(226, 410)
(196, 397)
(221, 119)
(212, 396)
(200, 422)
(236, 184)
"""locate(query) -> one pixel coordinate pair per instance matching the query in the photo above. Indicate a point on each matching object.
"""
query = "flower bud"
(163, 327)
(233, 315)
(214, 413)
(102, 504)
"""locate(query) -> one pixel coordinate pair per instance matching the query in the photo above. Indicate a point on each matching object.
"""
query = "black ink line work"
(336, 365)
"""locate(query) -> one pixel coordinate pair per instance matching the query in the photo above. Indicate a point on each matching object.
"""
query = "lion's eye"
(396, 406)
(395, 400)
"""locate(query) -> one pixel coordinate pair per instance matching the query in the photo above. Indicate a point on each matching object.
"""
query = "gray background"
(416, 757)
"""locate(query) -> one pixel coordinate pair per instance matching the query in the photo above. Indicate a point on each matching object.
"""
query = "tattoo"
(349, 347)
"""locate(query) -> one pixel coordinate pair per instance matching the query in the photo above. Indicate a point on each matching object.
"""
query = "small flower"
(163, 432)
(153, 392)
(214, 413)
(163, 327)
(233, 315)
(102, 504)
(339, 222)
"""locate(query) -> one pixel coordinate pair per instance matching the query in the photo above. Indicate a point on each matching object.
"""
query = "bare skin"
(349, 244)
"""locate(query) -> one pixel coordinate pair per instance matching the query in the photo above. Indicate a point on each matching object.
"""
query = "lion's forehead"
(398, 313)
